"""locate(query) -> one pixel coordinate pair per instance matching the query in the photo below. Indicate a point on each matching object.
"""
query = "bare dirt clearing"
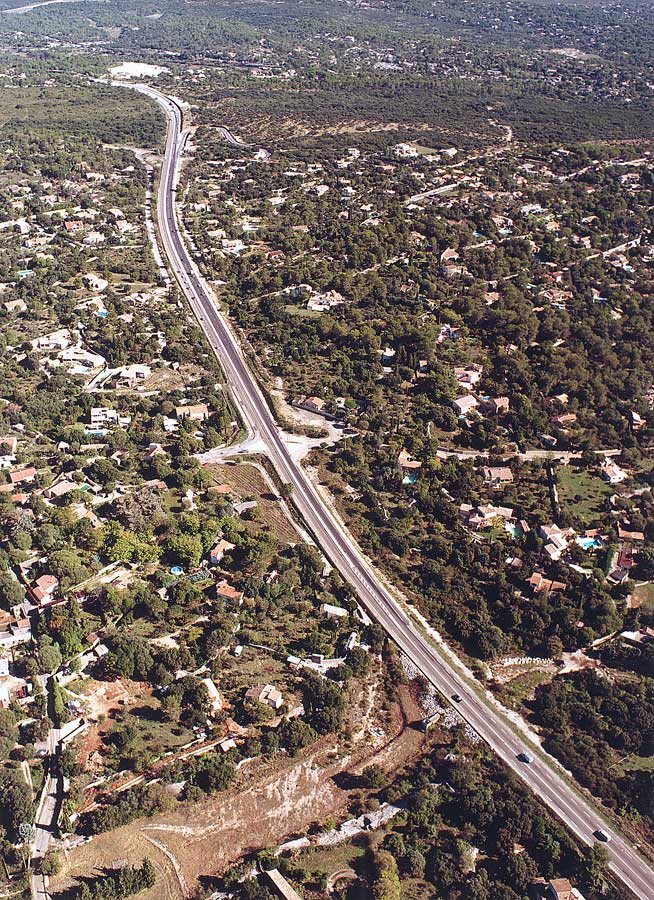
(272, 800)
(248, 483)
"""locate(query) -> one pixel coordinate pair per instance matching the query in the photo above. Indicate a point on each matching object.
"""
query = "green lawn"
(638, 764)
(583, 494)
(326, 860)
(521, 688)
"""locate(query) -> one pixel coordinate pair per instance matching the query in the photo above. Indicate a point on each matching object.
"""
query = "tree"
(373, 776)
(50, 658)
(386, 884)
(51, 864)
(11, 592)
(186, 548)
(596, 863)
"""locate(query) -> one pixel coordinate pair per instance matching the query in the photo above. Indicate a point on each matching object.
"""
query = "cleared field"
(583, 494)
(643, 597)
(271, 800)
(249, 484)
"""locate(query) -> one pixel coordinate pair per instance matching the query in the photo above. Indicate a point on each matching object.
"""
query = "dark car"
(457, 698)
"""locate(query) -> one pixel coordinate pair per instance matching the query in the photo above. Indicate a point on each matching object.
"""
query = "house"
(406, 462)
(496, 406)
(266, 694)
(9, 441)
(333, 612)
(130, 376)
(56, 340)
(28, 474)
(44, 588)
(486, 516)
(196, 413)
(326, 301)
(466, 405)
(219, 549)
(539, 584)
(18, 632)
(496, 477)
(60, 489)
(626, 535)
(313, 404)
(556, 539)
(468, 376)
(95, 282)
(214, 695)
(612, 473)
(637, 421)
(638, 638)
(13, 306)
(561, 889)
(565, 419)
(101, 416)
(226, 591)
(7, 461)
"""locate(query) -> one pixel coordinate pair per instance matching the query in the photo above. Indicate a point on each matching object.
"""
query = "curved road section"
(539, 774)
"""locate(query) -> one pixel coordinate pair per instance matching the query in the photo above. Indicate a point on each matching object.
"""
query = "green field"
(583, 494)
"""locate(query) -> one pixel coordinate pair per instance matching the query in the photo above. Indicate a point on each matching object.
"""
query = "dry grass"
(248, 483)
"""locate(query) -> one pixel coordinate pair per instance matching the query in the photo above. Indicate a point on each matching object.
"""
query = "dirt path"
(178, 872)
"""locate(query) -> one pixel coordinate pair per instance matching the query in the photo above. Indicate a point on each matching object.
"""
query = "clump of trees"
(116, 884)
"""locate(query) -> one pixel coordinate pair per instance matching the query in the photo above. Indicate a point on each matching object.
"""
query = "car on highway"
(525, 757)
(602, 835)
(457, 698)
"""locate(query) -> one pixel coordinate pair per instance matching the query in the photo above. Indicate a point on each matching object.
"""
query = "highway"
(332, 537)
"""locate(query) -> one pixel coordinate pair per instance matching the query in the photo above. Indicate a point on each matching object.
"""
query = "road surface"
(331, 535)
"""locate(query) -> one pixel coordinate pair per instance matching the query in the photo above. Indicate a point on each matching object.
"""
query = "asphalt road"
(553, 789)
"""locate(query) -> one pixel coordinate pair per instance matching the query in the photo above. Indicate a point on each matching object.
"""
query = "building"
(226, 591)
(333, 612)
(406, 462)
(539, 584)
(497, 477)
(466, 405)
(20, 476)
(626, 535)
(313, 404)
(561, 889)
(219, 549)
(44, 588)
(60, 489)
(496, 406)
(468, 376)
(556, 539)
(214, 695)
(612, 473)
(638, 638)
(266, 694)
(486, 516)
(101, 416)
